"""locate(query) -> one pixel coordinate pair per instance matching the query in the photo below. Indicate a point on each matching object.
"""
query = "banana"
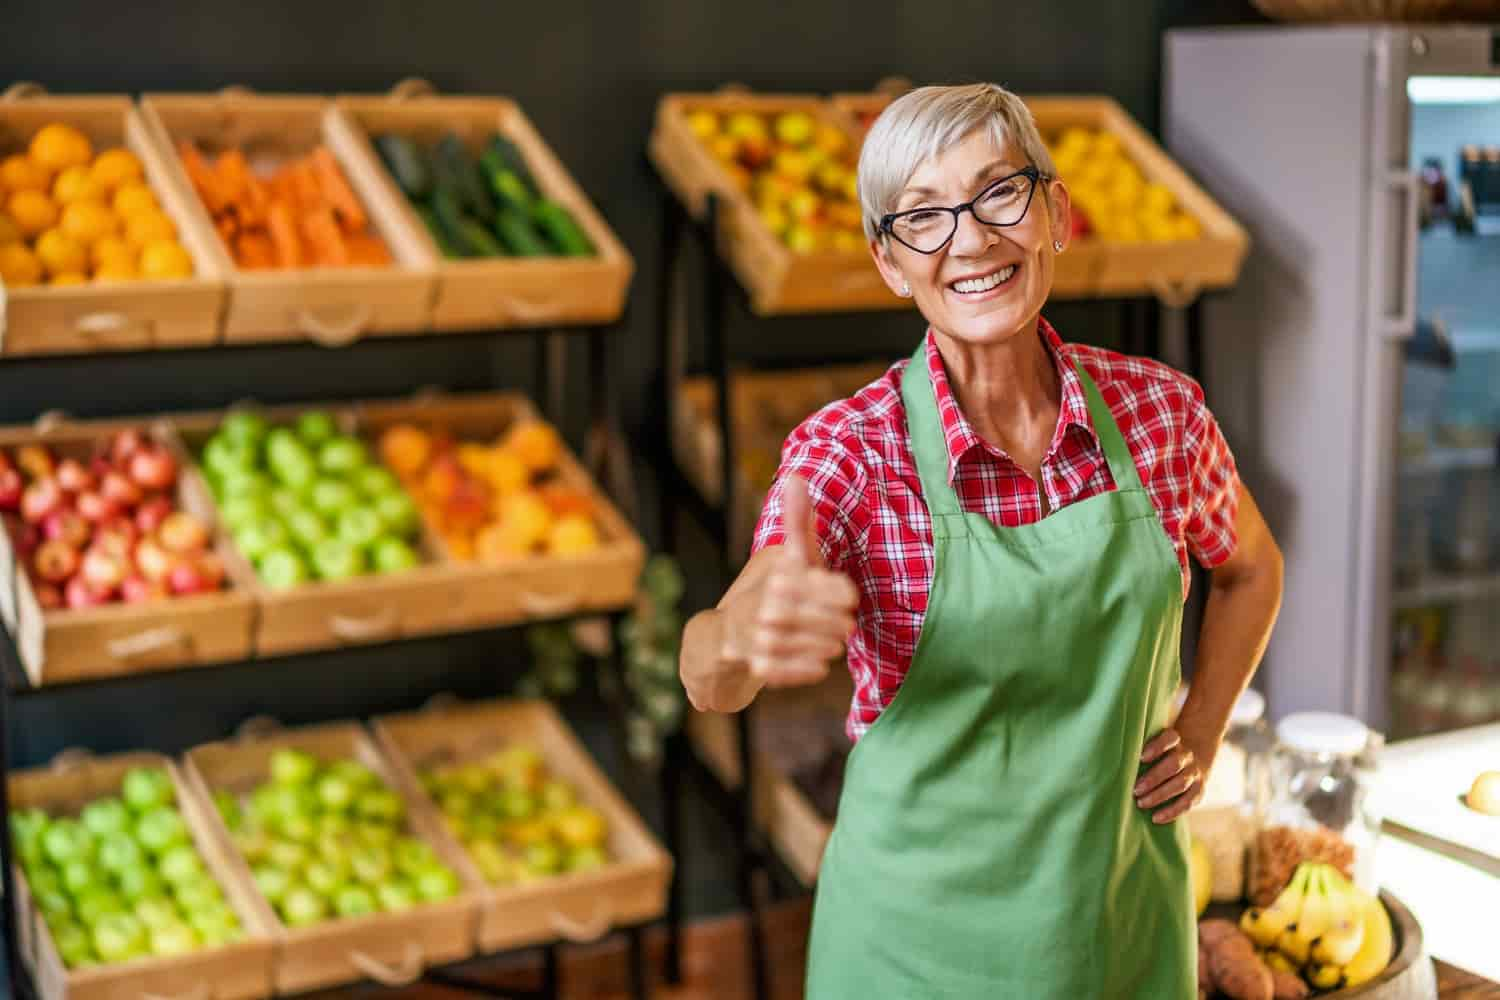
(1279, 962)
(1375, 951)
(1324, 977)
(1296, 941)
(1264, 925)
(1346, 928)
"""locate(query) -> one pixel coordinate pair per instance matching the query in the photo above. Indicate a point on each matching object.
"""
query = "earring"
(1057, 246)
(905, 290)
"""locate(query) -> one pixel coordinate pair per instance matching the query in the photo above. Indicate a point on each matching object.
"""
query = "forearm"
(715, 682)
(1237, 623)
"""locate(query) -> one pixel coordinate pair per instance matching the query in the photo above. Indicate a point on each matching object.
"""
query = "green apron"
(988, 844)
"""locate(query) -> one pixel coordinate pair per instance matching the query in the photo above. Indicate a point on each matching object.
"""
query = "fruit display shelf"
(527, 287)
(208, 618)
(813, 277)
(392, 946)
(97, 315)
(333, 304)
(1144, 227)
(630, 885)
(239, 970)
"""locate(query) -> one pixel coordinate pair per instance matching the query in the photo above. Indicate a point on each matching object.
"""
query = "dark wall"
(589, 75)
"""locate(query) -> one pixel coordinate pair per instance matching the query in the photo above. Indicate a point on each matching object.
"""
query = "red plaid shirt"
(873, 523)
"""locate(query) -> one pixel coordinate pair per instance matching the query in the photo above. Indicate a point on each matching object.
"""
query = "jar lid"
(1249, 707)
(1323, 732)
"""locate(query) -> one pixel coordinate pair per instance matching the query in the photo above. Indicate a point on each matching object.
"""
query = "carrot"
(257, 200)
(255, 251)
(336, 190)
(232, 171)
(284, 236)
(203, 177)
(323, 235)
(227, 228)
(305, 181)
(367, 251)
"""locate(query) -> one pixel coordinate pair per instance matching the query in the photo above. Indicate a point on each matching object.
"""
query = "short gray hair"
(924, 122)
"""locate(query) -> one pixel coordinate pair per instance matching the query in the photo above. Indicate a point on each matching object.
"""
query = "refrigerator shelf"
(1448, 590)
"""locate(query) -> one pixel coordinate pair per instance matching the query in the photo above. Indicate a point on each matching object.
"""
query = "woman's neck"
(1010, 391)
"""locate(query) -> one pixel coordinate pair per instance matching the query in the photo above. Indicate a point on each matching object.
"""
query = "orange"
(86, 221)
(19, 173)
(165, 259)
(133, 197)
(58, 146)
(9, 231)
(60, 253)
(505, 473)
(572, 534)
(69, 278)
(19, 266)
(75, 184)
(114, 167)
(32, 211)
(536, 444)
(143, 227)
(117, 270)
(112, 250)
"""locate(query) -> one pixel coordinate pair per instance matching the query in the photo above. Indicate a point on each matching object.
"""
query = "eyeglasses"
(928, 230)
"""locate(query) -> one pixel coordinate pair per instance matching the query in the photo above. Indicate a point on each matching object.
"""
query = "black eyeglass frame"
(1031, 173)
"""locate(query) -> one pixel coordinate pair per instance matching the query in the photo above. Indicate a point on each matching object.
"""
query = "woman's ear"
(880, 249)
(1060, 212)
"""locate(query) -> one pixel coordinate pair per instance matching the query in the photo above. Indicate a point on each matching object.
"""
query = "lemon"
(68, 278)
(32, 211)
(117, 270)
(75, 184)
(133, 197)
(114, 167)
(58, 146)
(20, 173)
(87, 221)
(9, 231)
(1187, 227)
(146, 227)
(60, 253)
(165, 258)
(19, 266)
(112, 250)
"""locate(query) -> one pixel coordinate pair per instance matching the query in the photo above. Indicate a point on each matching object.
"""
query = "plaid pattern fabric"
(874, 525)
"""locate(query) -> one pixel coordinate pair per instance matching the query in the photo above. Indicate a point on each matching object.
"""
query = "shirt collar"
(958, 432)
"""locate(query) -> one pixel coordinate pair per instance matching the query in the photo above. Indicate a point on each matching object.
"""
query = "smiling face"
(989, 282)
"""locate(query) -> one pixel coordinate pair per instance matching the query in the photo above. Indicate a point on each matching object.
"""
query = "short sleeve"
(837, 484)
(1213, 488)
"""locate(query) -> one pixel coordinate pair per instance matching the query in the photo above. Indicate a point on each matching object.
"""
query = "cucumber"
(516, 233)
(406, 164)
(460, 171)
(439, 235)
(558, 226)
(512, 157)
(450, 218)
(478, 236)
(506, 183)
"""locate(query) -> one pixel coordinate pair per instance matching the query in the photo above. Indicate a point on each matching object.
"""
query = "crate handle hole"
(525, 310)
(257, 727)
(591, 928)
(1175, 294)
(412, 86)
(148, 641)
(199, 992)
(352, 628)
(70, 760)
(95, 323)
(548, 605)
(334, 333)
(403, 974)
(22, 89)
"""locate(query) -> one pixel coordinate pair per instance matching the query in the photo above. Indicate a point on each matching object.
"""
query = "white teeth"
(985, 284)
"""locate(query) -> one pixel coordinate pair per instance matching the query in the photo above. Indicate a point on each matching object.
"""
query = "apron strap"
(1116, 451)
(928, 445)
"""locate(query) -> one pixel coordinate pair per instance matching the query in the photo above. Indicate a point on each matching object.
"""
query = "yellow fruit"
(775, 218)
(146, 227)
(790, 163)
(112, 250)
(846, 241)
(505, 472)
(20, 173)
(703, 123)
(165, 259)
(746, 125)
(32, 211)
(536, 444)
(1201, 868)
(75, 184)
(58, 146)
(9, 231)
(89, 221)
(19, 266)
(114, 167)
(133, 197)
(831, 140)
(60, 253)
(573, 534)
(580, 826)
(802, 238)
(524, 524)
(1187, 227)
(117, 270)
(794, 127)
(69, 278)
(724, 147)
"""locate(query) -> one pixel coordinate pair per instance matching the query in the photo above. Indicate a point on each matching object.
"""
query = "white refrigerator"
(1356, 366)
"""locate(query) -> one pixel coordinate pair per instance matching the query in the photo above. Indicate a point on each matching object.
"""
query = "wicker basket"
(1379, 10)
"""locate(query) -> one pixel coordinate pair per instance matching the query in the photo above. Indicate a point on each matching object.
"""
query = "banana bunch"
(1323, 928)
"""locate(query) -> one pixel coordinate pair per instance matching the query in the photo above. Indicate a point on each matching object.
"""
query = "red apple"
(11, 488)
(153, 467)
(125, 444)
(36, 461)
(78, 595)
(212, 567)
(96, 507)
(27, 537)
(183, 533)
(151, 513)
(117, 537)
(138, 590)
(40, 499)
(187, 578)
(55, 561)
(120, 489)
(67, 525)
(47, 595)
(103, 570)
(100, 466)
(154, 562)
(73, 477)
(5, 462)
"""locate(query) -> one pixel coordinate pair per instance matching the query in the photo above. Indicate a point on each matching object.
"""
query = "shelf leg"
(639, 989)
(670, 776)
(14, 967)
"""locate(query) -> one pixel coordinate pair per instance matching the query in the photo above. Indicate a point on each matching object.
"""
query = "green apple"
(298, 827)
(331, 496)
(293, 767)
(394, 896)
(54, 903)
(44, 879)
(516, 803)
(557, 794)
(354, 901)
(228, 808)
(355, 773)
(138, 883)
(146, 788)
(457, 803)
(392, 555)
(180, 864)
(341, 454)
(283, 444)
(257, 538)
(359, 526)
(493, 863)
(283, 501)
(156, 911)
(223, 457)
(274, 802)
(119, 937)
(543, 858)
(161, 829)
(399, 513)
(240, 511)
(174, 939)
(334, 825)
(252, 842)
(337, 560)
(301, 907)
(374, 481)
(380, 805)
(243, 428)
(334, 793)
(31, 855)
(282, 568)
(376, 835)
(370, 864)
(92, 907)
(28, 825)
(581, 859)
(290, 460)
(483, 825)
(305, 525)
(436, 883)
(272, 881)
(243, 484)
(412, 855)
(105, 816)
(195, 894)
(67, 840)
(75, 946)
(288, 855)
(315, 427)
(214, 922)
(324, 877)
(78, 877)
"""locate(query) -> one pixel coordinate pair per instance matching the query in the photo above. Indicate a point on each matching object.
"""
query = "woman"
(999, 530)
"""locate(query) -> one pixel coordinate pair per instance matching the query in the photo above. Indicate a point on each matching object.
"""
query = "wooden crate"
(65, 645)
(777, 280)
(579, 906)
(1175, 272)
(499, 292)
(392, 948)
(537, 586)
(332, 306)
(237, 971)
(112, 316)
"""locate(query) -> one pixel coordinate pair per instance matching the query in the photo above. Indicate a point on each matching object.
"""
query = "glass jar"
(1321, 788)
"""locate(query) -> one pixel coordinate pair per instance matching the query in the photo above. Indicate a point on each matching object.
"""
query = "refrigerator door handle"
(1402, 324)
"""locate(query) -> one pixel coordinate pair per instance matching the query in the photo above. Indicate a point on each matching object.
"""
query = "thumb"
(797, 521)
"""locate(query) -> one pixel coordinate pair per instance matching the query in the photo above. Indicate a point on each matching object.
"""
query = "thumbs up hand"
(798, 615)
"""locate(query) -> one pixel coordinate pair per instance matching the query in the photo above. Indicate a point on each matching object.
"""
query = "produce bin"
(390, 947)
(237, 971)
(493, 293)
(630, 888)
(59, 646)
(777, 279)
(331, 305)
(111, 316)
